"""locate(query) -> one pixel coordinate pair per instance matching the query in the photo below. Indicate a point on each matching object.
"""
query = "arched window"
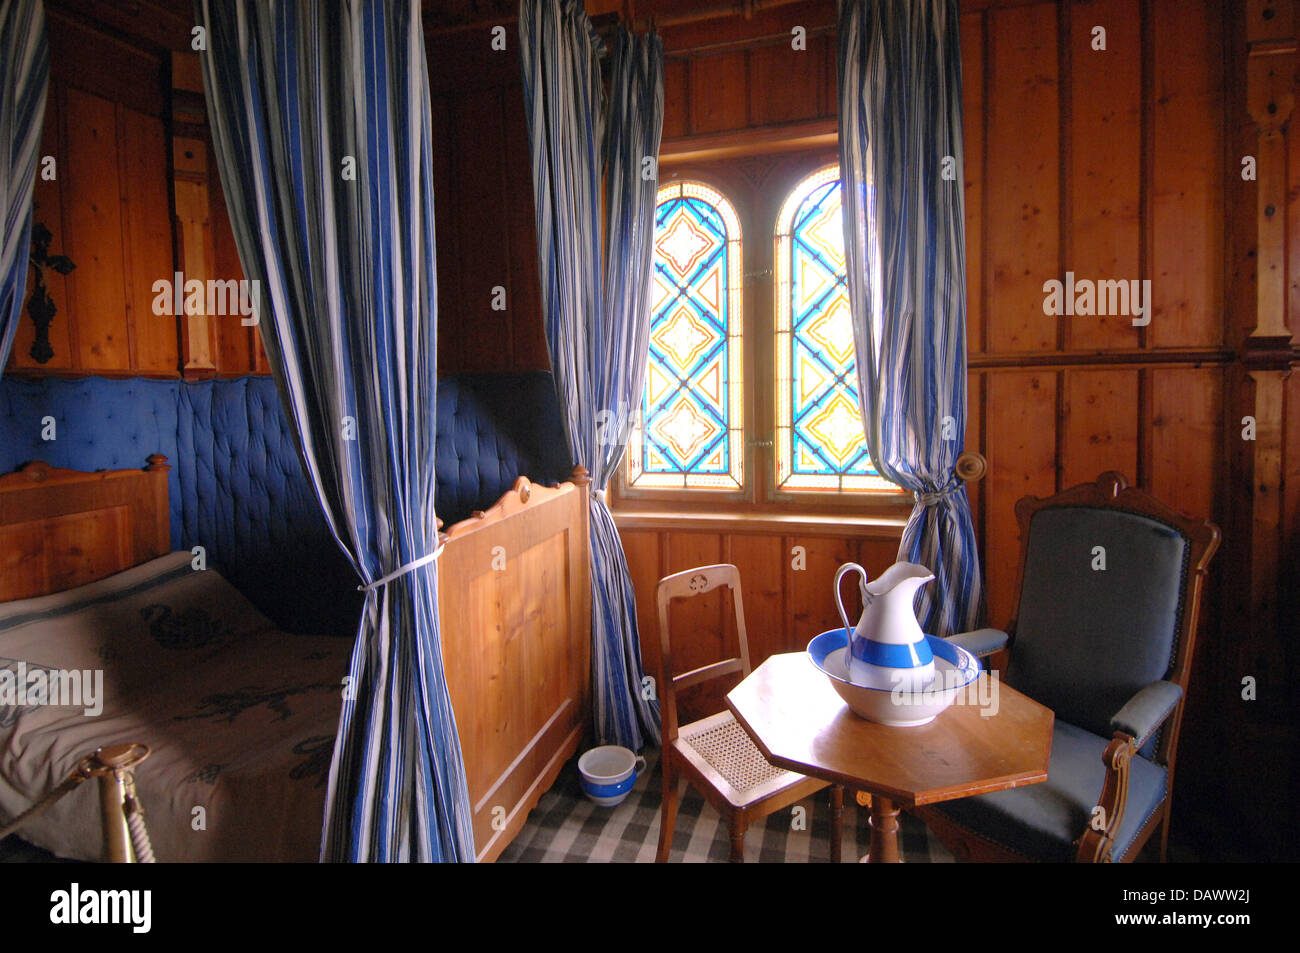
(689, 429)
(819, 438)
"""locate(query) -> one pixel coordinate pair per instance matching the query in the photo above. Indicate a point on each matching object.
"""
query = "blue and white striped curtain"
(25, 63)
(597, 332)
(904, 234)
(320, 119)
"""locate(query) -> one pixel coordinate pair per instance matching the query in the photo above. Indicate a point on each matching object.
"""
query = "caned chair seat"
(719, 744)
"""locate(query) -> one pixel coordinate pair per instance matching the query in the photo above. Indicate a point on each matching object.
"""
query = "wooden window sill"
(772, 524)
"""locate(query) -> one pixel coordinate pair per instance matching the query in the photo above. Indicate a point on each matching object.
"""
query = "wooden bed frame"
(514, 598)
(65, 528)
(513, 591)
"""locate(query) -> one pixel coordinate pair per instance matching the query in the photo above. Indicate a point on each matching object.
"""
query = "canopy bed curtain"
(320, 122)
(25, 53)
(901, 166)
(597, 332)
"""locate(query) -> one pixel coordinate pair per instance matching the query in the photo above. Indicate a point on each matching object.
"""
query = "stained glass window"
(819, 439)
(688, 432)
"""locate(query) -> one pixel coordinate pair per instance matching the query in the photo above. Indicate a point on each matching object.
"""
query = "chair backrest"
(687, 584)
(1110, 585)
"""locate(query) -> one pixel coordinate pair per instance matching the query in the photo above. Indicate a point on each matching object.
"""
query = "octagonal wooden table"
(799, 723)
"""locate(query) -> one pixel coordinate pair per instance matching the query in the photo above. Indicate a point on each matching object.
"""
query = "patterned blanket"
(239, 716)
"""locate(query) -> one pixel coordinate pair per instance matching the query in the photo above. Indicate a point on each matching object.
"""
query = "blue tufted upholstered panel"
(99, 425)
(237, 486)
(244, 497)
(491, 429)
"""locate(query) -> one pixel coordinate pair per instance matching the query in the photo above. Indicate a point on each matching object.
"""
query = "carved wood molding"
(38, 472)
(525, 494)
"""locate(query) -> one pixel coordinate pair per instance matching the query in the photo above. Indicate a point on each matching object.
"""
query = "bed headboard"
(65, 528)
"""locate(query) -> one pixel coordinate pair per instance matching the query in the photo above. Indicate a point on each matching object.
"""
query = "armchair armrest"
(1146, 711)
(1132, 726)
(980, 642)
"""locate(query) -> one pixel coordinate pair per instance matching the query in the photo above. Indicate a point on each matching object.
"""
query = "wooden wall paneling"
(93, 232)
(641, 548)
(1099, 425)
(785, 84)
(446, 148)
(810, 601)
(478, 206)
(1022, 192)
(974, 116)
(239, 346)
(1187, 208)
(761, 562)
(975, 413)
(698, 631)
(107, 208)
(528, 350)
(1186, 437)
(92, 60)
(486, 230)
(1104, 163)
(676, 97)
(1292, 221)
(1022, 461)
(877, 555)
(1268, 356)
(1289, 595)
(466, 61)
(48, 210)
(718, 94)
(147, 238)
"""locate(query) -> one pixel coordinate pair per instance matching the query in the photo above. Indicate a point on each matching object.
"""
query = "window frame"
(757, 187)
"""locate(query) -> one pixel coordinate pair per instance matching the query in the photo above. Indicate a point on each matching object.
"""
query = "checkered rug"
(566, 827)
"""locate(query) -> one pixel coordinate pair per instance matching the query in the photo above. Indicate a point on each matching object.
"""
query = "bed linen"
(240, 717)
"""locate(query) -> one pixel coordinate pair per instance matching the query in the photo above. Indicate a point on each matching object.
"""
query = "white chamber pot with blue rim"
(608, 773)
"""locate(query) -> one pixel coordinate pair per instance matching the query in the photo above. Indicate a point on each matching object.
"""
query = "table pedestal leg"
(884, 831)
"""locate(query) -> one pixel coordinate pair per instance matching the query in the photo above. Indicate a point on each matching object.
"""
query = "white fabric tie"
(599, 495)
(930, 499)
(403, 570)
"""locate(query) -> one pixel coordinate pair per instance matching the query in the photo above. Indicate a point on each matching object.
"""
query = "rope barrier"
(112, 765)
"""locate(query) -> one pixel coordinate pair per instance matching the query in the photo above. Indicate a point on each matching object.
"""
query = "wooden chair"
(715, 754)
(1110, 591)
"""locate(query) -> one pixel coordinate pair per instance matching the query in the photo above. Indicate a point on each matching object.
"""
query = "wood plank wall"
(486, 234)
(108, 206)
(1109, 164)
(1115, 163)
(110, 118)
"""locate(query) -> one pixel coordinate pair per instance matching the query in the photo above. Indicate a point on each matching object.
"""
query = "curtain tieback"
(599, 495)
(930, 499)
(403, 570)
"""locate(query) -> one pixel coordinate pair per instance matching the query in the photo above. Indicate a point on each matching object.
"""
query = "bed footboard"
(514, 598)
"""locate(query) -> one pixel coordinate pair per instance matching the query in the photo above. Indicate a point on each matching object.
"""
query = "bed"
(241, 715)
